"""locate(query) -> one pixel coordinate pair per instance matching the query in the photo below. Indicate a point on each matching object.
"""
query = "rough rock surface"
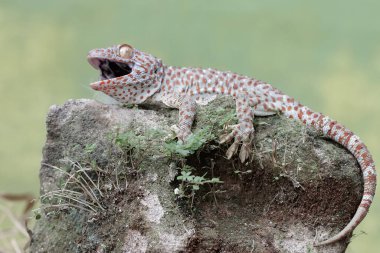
(109, 183)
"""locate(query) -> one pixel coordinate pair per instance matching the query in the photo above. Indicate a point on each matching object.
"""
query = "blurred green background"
(324, 53)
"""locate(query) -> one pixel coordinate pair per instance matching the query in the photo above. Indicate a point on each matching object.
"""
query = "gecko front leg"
(242, 132)
(187, 109)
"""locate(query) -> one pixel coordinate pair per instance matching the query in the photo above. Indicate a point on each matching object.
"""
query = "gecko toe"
(245, 151)
(240, 138)
(228, 137)
(233, 127)
(232, 150)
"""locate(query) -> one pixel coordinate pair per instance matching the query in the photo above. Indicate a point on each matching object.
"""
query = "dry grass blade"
(69, 196)
(85, 183)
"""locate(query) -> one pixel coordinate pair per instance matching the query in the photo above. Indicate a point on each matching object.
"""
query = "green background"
(324, 53)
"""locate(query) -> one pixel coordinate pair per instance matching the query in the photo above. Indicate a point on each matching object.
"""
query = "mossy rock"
(298, 187)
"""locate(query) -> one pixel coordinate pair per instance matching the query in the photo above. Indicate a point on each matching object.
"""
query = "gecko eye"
(125, 51)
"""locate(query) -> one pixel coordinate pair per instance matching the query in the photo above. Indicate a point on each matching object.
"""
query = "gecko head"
(126, 74)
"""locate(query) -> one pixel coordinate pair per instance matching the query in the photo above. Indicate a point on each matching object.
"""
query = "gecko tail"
(340, 134)
(358, 217)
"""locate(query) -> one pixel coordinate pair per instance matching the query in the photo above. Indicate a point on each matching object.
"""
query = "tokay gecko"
(135, 77)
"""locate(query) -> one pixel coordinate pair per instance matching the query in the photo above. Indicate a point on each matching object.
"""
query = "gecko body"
(135, 77)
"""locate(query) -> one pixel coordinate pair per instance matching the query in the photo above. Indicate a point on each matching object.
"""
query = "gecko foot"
(240, 137)
(181, 134)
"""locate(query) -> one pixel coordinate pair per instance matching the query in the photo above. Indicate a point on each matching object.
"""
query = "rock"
(114, 179)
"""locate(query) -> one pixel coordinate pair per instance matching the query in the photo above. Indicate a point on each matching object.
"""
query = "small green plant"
(89, 148)
(190, 183)
(192, 144)
(130, 140)
(135, 147)
(309, 249)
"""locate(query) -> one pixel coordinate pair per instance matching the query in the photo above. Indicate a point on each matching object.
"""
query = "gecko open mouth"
(110, 69)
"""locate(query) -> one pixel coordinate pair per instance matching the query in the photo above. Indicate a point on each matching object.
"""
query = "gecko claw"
(245, 152)
(232, 150)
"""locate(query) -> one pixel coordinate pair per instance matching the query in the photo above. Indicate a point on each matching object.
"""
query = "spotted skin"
(142, 78)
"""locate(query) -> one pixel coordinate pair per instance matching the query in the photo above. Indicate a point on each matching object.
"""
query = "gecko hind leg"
(243, 138)
(242, 133)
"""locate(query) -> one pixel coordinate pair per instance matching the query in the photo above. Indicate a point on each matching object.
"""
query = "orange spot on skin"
(290, 100)
(359, 147)
(198, 89)
(320, 121)
(348, 138)
(332, 124)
